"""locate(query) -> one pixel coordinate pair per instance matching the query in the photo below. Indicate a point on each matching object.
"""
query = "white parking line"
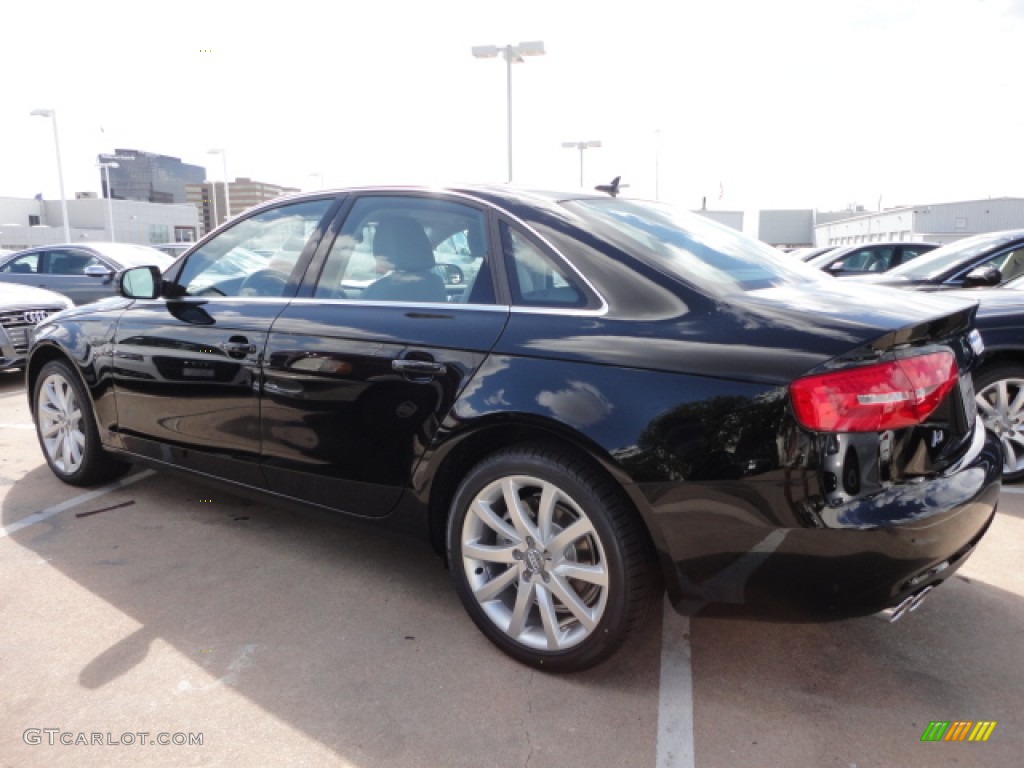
(56, 509)
(5, 425)
(675, 695)
(1012, 490)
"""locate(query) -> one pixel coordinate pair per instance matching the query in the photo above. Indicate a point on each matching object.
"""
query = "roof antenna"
(613, 188)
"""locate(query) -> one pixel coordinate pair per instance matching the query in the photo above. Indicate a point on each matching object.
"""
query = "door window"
(409, 249)
(23, 265)
(256, 256)
(536, 279)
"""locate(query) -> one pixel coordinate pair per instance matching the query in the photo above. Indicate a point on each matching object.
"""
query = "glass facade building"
(149, 177)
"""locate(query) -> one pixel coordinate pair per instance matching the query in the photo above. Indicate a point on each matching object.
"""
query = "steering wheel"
(264, 282)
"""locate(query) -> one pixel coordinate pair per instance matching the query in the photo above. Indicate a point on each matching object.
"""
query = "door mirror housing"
(983, 277)
(140, 283)
(98, 270)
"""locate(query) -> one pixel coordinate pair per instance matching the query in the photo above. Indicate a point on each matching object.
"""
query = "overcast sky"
(755, 103)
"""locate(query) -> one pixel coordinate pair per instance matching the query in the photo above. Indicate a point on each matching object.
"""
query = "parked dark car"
(999, 377)
(621, 395)
(869, 258)
(21, 310)
(83, 273)
(987, 260)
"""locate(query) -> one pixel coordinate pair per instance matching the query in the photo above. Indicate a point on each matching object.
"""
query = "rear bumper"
(860, 558)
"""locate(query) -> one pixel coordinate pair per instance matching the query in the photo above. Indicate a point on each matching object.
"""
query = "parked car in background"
(806, 254)
(21, 310)
(999, 377)
(986, 260)
(174, 250)
(869, 258)
(83, 273)
(621, 395)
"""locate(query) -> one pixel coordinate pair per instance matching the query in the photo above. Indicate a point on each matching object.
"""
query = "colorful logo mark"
(958, 730)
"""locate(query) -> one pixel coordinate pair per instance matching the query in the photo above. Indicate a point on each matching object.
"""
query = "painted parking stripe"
(27, 425)
(56, 509)
(1012, 490)
(675, 695)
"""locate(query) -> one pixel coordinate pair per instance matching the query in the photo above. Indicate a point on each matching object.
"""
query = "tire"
(1000, 398)
(558, 590)
(66, 428)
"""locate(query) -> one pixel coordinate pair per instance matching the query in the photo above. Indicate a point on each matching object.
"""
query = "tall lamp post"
(513, 55)
(227, 186)
(581, 145)
(52, 114)
(110, 202)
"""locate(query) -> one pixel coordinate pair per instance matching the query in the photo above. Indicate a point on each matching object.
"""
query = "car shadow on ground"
(11, 381)
(354, 636)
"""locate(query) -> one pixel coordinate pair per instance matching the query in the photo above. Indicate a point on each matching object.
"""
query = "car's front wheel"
(549, 558)
(1000, 397)
(67, 429)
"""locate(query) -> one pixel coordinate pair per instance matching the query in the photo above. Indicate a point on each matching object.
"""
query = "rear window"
(692, 247)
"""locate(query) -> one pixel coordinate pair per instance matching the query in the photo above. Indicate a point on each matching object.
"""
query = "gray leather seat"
(402, 241)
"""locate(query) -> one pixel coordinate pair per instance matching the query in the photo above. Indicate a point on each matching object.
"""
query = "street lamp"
(52, 113)
(110, 202)
(513, 55)
(581, 145)
(227, 186)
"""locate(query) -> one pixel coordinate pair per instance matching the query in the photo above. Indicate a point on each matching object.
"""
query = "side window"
(256, 256)
(409, 249)
(536, 280)
(66, 262)
(1011, 264)
(23, 265)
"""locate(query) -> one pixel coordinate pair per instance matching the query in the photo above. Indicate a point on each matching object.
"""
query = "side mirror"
(835, 266)
(983, 277)
(97, 270)
(140, 283)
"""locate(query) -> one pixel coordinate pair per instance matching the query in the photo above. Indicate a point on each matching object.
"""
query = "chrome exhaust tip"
(908, 604)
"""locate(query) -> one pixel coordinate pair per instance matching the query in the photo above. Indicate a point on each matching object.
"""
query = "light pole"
(227, 185)
(110, 201)
(513, 55)
(52, 114)
(581, 145)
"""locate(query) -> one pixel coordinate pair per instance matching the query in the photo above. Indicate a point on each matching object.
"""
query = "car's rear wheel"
(1000, 397)
(549, 558)
(67, 429)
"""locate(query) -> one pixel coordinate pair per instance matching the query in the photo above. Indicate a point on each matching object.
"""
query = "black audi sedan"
(618, 396)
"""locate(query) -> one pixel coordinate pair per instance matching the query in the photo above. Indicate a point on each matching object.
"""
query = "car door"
(364, 365)
(187, 365)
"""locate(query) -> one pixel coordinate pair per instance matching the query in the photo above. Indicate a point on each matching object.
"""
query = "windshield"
(941, 260)
(693, 247)
(136, 255)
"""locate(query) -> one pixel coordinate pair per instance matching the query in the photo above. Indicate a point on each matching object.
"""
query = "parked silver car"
(21, 310)
(83, 273)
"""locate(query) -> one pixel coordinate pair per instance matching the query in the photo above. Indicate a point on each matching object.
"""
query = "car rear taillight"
(873, 398)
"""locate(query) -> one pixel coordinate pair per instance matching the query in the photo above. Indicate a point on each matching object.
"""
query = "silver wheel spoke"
(496, 586)
(1017, 406)
(565, 593)
(548, 617)
(546, 511)
(514, 505)
(483, 510)
(1011, 454)
(488, 553)
(574, 532)
(592, 574)
(524, 601)
(988, 412)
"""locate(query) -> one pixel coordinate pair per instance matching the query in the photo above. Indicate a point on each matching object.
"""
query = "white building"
(27, 222)
(939, 223)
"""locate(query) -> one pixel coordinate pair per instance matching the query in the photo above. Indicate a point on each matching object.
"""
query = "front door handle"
(238, 347)
(419, 367)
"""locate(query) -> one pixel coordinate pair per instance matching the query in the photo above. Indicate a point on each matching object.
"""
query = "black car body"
(82, 272)
(869, 258)
(619, 387)
(986, 260)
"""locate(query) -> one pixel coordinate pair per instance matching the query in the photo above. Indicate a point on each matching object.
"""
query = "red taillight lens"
(876, 397)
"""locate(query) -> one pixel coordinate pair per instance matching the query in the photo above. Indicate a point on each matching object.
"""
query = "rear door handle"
(419, 367)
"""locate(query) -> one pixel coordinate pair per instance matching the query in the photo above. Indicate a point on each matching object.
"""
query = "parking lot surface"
(165, 608)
